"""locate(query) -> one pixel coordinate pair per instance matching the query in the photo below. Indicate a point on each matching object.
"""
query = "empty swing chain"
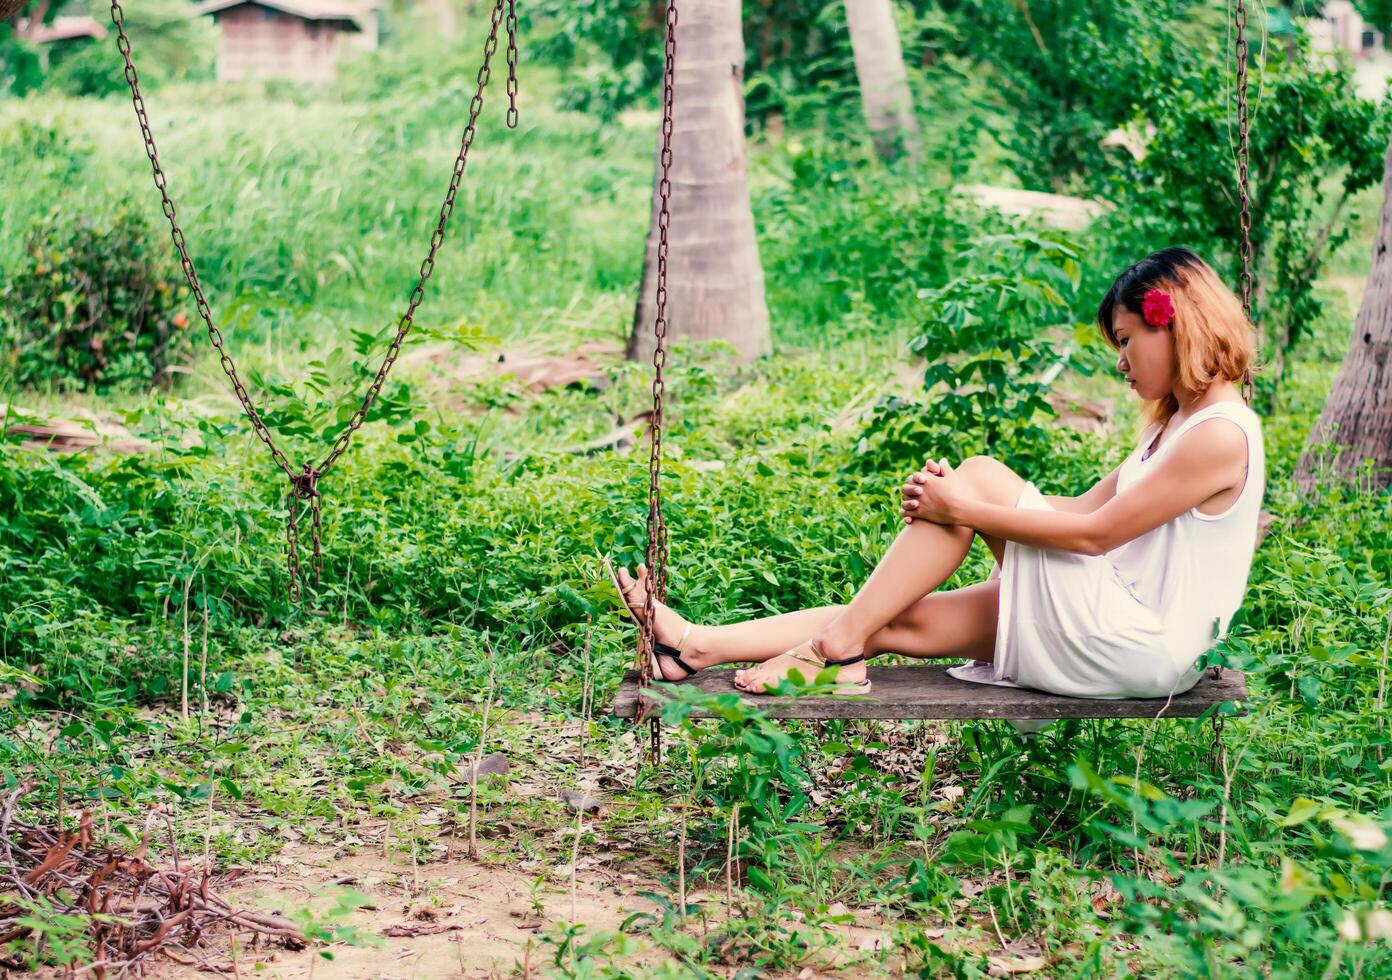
(304, 485)
(1243, 188)
(657, 553)
(1217, 756)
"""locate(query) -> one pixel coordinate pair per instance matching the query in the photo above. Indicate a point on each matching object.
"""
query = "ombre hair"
(1213, 338)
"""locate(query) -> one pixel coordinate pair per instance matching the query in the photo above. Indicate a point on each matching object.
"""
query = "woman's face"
(1147, 355)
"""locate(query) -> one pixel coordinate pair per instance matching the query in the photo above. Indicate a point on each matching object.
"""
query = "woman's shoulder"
(1224, 438)
(1245, 415)
(1232, 408)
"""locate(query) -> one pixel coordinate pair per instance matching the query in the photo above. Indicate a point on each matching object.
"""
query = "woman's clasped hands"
(932, 494)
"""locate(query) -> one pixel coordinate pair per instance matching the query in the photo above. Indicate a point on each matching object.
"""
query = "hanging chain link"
(490, 46)
(512, 64)
(1243, 185)
(657, 554)
(1217, 752)
(304, 485)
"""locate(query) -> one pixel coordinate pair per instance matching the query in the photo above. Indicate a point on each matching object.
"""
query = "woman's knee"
(992, 479)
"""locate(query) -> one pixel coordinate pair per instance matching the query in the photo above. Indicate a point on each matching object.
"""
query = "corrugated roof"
(66, 28)
(307, 9)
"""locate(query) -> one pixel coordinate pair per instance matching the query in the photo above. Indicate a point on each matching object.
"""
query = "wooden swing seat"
(923, 692)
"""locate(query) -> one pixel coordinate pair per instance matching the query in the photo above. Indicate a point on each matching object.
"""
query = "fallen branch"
(133, 911)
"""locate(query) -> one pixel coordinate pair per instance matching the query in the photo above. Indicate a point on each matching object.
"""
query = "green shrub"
(993, 339)
(853, 242)
(1315, 145)
(92, 69)
(95, 305)
(20, 68)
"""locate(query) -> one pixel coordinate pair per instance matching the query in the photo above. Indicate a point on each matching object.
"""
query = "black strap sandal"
(846, 689)
(844, 663)
(672, 653)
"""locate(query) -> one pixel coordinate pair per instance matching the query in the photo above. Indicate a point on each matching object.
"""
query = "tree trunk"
(1358, 413)
(884, 85)
(715, 284)
(447, 19)
(36, 17)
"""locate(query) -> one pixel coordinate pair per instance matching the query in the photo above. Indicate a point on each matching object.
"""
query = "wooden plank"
(922, 692)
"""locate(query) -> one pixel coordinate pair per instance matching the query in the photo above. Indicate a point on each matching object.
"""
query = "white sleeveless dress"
(1130, 623)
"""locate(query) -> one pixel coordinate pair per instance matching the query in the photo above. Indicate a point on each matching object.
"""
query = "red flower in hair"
(1157, 308)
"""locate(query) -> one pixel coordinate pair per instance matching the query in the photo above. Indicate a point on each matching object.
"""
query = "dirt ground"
(457, 918)
(454, 918)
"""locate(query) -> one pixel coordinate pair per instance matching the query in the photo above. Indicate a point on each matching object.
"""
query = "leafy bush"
(167, 45)
(94, 69)
(797, 62)
(1314, 144)
(993, 340)
(96, 305)
(1066, 73)
(21, 70)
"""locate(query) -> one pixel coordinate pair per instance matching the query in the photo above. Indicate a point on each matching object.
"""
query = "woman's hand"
(932, 494)
(913, 487)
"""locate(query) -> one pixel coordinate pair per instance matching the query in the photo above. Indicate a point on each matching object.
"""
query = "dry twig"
(134, 910)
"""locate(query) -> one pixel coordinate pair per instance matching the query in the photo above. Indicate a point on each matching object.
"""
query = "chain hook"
(1217, 753)
(306, 483)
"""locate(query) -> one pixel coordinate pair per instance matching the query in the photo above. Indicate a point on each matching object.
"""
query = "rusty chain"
(304, 485)
(1243, 184)
(512, 64)
(657, 553)
(1217, 756)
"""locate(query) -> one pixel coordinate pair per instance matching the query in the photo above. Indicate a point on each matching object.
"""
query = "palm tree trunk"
(447, 19)
(884, 85)
(1358, 413)
(715, 283)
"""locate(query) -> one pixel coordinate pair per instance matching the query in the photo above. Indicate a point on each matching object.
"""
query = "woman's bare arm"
(1090, 500)
(1207, 460)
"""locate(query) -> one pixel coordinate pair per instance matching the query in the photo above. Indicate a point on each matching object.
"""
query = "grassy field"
(149, 657)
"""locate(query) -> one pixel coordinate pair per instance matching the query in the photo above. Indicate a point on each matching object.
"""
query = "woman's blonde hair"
(1213, 338)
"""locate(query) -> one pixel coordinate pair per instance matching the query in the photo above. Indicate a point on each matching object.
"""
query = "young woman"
(1112, 594)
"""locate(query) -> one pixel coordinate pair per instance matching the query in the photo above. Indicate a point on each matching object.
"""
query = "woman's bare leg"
(756, 640)
(922, 557)
(958, 623)
(752, 641)
(936, 549)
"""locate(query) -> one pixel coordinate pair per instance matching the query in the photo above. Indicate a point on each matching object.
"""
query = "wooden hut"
(64, 34)
(1341, 26)
(299, 40)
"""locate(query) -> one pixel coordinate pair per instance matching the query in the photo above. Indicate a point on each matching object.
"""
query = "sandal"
(672, 653)
(848, 689)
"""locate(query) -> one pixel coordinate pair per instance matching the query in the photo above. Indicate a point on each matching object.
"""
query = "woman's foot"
(669, 628)
(807, 660)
